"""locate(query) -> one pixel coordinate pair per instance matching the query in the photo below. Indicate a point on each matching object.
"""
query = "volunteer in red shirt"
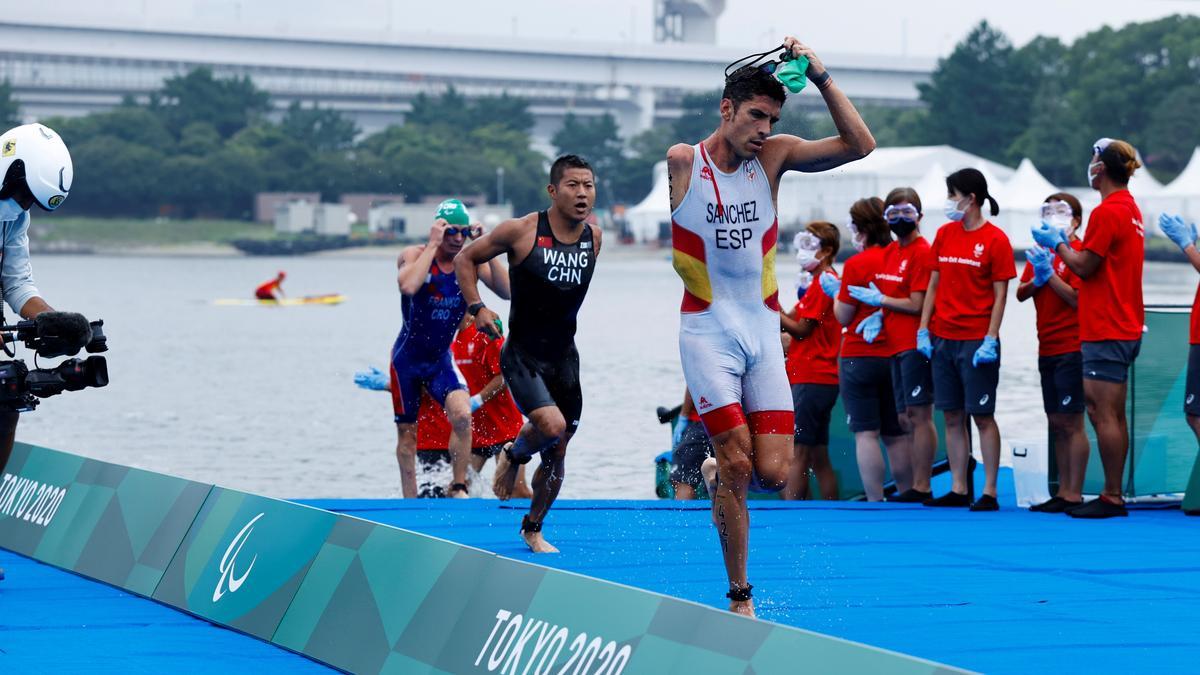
(495, 419)
(812, 362)
(1183, 234)
(866, 370)
(433, 454)
(1055, 292)
(1111, 311)
(900, 290)
(960, 329)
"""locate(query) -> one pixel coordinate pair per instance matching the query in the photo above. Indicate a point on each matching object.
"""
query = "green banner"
(243, 560)
(416, 604)
(105, 521)
(369, 598)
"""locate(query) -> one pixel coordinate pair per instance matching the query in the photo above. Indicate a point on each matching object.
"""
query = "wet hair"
(971, 182)
(827, 233)
(560, 166)
(747, 82)
(867, 214)
(1070, 200)
(901, 195)
(1120, 161)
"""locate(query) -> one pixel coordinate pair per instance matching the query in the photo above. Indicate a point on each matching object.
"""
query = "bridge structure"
(76, 66)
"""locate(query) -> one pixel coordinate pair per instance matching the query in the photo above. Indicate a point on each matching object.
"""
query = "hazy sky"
(916, 27)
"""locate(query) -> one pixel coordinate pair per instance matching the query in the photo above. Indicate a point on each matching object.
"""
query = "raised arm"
(854, 139)
(1083, 263)
(413, 266)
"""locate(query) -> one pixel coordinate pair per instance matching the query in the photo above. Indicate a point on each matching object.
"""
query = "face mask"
(902, 228)
(807, 245)
(1059, 220)
(952, 210)
(10, 210)
(856, 238)
(1091, 177)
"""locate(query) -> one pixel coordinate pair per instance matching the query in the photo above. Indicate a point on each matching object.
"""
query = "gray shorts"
(814, 407)
(1109, 360)
(959, 385)
(1062, 383)
(1191, 396)
(912, 379)
(867, 395)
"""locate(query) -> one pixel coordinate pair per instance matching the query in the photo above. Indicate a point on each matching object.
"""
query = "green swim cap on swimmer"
(793, 74)
(453, 212)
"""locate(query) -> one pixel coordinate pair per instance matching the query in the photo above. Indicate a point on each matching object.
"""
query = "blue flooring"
(1004, 592)
(53, 621)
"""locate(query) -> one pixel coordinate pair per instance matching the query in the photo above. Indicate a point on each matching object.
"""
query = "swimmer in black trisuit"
(551, 256)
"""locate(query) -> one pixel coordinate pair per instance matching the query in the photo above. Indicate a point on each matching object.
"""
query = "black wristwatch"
(474, 309)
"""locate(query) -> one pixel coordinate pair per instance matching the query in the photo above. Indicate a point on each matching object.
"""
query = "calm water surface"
(262, 399)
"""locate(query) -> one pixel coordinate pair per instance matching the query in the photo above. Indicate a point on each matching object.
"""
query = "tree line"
(203, 145)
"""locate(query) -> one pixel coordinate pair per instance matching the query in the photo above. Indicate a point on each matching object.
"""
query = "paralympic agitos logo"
(230, 581)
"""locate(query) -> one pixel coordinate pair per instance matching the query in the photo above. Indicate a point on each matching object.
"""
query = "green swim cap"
(454, 212)
(793, 74)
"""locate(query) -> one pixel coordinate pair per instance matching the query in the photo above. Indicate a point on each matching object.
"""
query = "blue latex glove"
(830, 284)
(867, 296)
(1178, 230)
(1040, 259)
(476, 403)
(1049, 236)
(924, 344)
(869, 327)
(373, 379)
(677, 429)
(986, 352)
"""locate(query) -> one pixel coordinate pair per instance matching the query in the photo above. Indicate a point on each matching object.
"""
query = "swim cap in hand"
(793, 74)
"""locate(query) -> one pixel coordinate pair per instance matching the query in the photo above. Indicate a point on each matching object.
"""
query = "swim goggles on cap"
(743, 66)
(1056, 208)
(898, 212)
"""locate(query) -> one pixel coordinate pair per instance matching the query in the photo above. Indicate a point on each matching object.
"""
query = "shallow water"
(261, 398)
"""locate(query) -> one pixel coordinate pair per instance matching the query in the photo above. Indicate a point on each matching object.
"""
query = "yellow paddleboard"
(327, 299)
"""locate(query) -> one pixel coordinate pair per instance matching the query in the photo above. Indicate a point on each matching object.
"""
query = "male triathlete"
(551, 256)
(724, 230)
(432, 306)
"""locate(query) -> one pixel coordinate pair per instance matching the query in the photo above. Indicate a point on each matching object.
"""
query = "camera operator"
(36, 169)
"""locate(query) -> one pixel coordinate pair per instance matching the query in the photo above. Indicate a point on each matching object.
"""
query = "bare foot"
(506, 475)
(537, 543)
(743, 607)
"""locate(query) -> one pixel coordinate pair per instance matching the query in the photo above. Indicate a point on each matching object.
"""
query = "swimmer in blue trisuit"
(433, 305)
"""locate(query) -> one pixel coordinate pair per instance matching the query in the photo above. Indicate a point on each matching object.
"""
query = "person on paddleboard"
(723, 234)
(552, 255)
(273, 289)
(433, 305)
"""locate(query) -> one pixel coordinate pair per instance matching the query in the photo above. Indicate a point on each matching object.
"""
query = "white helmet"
(35, 166)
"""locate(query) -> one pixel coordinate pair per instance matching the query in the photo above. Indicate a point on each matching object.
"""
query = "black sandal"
(740, 594)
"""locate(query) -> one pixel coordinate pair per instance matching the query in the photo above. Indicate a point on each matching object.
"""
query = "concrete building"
(87, 56)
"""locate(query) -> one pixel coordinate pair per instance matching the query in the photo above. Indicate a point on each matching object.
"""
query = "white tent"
(1020, 200)
(1183, 194)
(829, 194)
(647, 218)
(931, 188)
